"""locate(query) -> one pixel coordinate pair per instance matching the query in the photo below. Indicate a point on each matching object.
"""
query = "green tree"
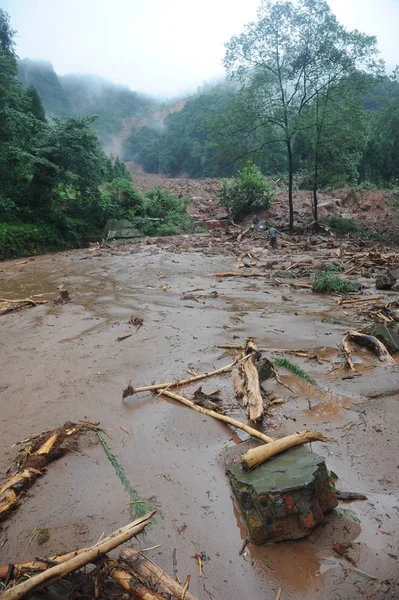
(248, 192)
(292, 54)
(35, 103)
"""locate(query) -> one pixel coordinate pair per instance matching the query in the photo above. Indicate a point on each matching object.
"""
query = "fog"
(161, 47)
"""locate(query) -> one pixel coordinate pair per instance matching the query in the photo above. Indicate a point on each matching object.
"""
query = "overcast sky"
(162, 47)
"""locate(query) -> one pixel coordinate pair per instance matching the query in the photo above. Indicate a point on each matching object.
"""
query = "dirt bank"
(373, 211)
(62, 363)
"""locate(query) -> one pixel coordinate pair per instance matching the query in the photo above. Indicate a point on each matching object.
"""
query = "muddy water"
(63, 363)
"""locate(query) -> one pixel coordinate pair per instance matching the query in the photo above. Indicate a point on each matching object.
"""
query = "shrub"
(121, 192)
(367, 186)
(26, 239)
(327, 281)
(248, 192)
(344, 226)
(170, 211)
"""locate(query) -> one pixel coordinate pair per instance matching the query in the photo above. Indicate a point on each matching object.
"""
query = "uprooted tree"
(295, 55)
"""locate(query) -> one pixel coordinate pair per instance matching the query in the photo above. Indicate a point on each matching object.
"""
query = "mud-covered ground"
(62, 363)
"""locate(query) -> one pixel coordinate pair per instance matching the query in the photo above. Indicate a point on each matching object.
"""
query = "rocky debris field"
(373, 211)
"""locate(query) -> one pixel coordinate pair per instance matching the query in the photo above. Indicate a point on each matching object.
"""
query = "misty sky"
(162, 47)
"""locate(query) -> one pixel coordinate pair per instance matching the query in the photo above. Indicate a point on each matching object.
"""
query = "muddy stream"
(61, 363)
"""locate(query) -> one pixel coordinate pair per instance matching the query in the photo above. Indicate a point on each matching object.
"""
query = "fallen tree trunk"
(91, 555)
(371, 342)
(256, 456)
(130, 390)
(211, 413)
(147, 571)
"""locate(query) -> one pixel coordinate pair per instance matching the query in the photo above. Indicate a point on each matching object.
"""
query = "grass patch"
(138, 507)
(328, 281)
(284, 363)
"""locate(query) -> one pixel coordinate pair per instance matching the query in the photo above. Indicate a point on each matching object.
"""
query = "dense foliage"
(248, 192)
(57, 187)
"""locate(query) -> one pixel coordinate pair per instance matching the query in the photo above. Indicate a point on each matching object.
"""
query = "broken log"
(126, 580)
(256, 456)
(7, 306)
(371, 342)
(64, 569)
(347, 352)
(145, 570)
(240, 389)
(358, 300)
(130, 390)
(211, 413)
(253, 391)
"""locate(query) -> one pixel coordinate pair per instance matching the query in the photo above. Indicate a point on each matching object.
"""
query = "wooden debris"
(347, 303)
(63, 297)
(136, 322)
(371, 342)
(7, 306)
(242, 274)
(347, 352)
(130, 390)
(253, 392)
(211, 413)
(125, 579)
(355, 268)
(256, 456)
(230, 346)
(32, 461)
(90, 555)
(246, 381)
(145, 570)
(349, 496)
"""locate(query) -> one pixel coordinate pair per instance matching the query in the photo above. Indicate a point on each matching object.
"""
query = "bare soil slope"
(371, 210)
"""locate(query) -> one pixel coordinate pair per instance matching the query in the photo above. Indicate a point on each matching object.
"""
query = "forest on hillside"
(84, 96)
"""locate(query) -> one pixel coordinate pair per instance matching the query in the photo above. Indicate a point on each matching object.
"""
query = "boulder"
(285, 497)
(385, 281)
(388, 335)
(118, 229)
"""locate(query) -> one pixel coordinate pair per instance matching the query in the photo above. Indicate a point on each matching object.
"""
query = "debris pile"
(32, 459)
(132, 572)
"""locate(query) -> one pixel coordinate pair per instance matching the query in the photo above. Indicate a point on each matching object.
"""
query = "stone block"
(285, 497)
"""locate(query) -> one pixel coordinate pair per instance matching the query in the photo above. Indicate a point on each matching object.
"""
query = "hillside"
(85, 95)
